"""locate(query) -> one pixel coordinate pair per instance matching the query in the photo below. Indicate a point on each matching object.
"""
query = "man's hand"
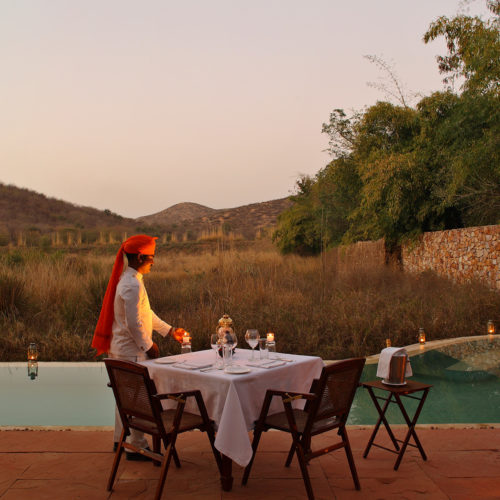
(178, 334)
(153, 352)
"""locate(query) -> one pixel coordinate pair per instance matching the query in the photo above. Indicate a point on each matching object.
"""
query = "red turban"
(139, 244)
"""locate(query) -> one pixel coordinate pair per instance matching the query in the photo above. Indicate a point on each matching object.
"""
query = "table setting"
(233, 382)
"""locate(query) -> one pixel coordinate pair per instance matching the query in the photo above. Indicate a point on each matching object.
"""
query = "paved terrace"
(70, 464)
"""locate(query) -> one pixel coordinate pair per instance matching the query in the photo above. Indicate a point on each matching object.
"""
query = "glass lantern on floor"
(32, 361)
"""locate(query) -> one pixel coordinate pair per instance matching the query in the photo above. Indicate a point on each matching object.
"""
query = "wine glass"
(252, 337)
(216, 344)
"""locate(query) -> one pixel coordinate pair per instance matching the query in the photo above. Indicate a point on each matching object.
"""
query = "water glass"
(227, 355)
(216, 344)
(263, 351)
(252, 337)
(271, 347)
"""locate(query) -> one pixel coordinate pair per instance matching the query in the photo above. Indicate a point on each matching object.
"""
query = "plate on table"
(236, 369)
(169, 360)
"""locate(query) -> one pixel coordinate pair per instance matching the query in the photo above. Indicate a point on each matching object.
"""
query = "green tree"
(398, 171)
(297, 227)
(473, 49)
(461, 142)
(318, 217)
(392, 186)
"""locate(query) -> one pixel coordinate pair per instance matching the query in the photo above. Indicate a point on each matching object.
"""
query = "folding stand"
(397, 392)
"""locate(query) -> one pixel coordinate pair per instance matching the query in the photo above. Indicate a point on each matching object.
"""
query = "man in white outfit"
(132, 319)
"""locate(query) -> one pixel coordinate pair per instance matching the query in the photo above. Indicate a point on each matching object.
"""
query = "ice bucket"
(397, 368)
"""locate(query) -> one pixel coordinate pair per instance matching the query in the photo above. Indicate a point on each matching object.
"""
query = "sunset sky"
(134, 106)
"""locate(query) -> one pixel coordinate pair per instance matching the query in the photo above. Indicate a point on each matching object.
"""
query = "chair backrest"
(133, 390)
(335, 390)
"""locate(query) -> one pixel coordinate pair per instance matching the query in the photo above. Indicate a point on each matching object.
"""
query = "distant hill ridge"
(246, 220)
(24, 209)
(177, 213)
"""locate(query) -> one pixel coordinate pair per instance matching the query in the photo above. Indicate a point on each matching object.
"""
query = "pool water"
(457, 396)
(73, 394)
(62, 394)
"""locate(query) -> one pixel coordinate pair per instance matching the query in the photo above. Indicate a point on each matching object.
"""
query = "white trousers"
(136, 438)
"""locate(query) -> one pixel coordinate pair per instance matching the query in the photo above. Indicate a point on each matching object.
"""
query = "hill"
(23, 210)
(177, 213)
(195, 219)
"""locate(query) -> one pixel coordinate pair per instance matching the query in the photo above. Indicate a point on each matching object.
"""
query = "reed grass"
(335, 306)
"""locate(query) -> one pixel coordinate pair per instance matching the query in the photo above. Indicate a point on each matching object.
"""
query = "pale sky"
(137, 105)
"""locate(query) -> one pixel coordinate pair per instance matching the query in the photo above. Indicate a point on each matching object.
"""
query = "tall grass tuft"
(336, 305)
(14, 297)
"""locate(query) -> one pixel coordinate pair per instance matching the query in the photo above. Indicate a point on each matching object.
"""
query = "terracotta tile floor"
(462, 464)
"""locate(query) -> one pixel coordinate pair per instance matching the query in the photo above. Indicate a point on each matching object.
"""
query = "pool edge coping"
(415, 349)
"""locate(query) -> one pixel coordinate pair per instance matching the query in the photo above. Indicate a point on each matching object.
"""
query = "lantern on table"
(186, 343)
(270, 344)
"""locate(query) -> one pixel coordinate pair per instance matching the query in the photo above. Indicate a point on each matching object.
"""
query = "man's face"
(146, 263)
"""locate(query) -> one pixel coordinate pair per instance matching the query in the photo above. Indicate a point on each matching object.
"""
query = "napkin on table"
(269, 364)
(193, 366)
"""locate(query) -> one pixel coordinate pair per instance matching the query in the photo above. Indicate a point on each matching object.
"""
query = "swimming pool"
(66, 394)
(465, 375)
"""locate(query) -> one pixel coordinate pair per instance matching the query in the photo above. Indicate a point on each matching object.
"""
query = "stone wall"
(459, 254)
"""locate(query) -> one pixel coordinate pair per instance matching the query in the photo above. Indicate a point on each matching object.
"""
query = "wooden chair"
(140, 408)
(327, 407)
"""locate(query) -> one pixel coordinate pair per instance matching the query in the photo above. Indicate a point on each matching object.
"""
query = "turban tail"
(139, 244)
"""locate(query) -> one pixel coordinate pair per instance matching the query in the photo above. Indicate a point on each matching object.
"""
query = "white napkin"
(384, 362)
(269, 364)
(192, 366)
(167, 360)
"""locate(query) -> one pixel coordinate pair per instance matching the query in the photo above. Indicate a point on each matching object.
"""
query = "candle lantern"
(270, 343)
(32, 369)
(421, 336)
(186, 343)
(490, 326)
(32, 361)
(32, 352)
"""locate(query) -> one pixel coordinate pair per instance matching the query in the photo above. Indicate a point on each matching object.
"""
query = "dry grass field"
(334, 305)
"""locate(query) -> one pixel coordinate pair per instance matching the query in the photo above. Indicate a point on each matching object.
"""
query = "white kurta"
(134, 320)
(133, 325)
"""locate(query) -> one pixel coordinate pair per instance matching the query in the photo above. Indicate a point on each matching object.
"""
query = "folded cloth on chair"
(384, 362)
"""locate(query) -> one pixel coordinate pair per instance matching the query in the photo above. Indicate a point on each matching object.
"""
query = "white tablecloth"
(234, 401)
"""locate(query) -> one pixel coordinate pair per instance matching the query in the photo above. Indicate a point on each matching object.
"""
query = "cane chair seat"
(280, 421)
(189, 421)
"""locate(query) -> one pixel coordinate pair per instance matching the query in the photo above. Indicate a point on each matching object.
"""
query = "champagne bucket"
(397, 368)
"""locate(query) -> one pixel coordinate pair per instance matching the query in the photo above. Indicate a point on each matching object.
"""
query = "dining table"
(234, 395)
